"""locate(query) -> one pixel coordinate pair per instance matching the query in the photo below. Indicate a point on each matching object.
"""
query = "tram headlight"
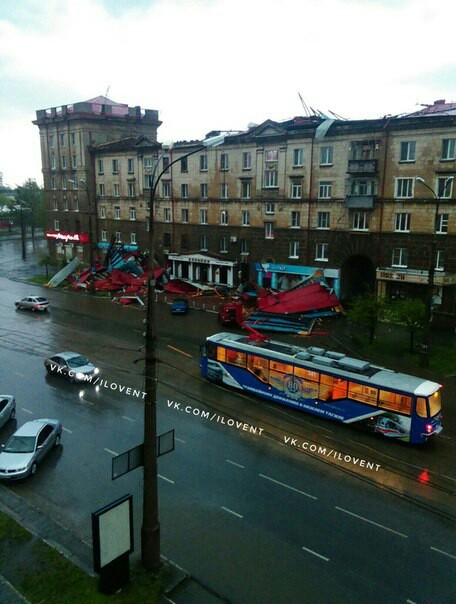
(429, 428)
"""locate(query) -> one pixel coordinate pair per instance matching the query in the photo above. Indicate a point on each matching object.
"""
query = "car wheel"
(18, 307)
(33, 309)
(13, 414)
(33, 469)
(57, 440)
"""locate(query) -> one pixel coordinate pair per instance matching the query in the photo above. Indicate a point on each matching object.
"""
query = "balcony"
(362, 167)
(362, 202)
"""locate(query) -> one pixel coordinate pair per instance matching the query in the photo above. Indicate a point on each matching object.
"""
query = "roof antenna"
(107, 90)
(304, 106)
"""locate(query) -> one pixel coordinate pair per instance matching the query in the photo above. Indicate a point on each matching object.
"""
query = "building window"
(444, 188)
(404, 188)
(102, 212)
(296, 190)
(56, 225)
(442, 224)
(115, 166)
(294, 249)
(448, 147)
(224, 161)
(165, 163)
(184, 214)
(166, 190)
(116, 190)
(64, 162)
(132, 213)
(203, 216)
(408, 151)
(203, 163)
(272, 155)
(270, 178)
(321, 252)
(100, 166)
(64, 183)
(148, 162)
(323, 220)
(148, 182)
(131, 189)
(440, 261)
(62, 140)
(74, 161)
(245, 217)
(101, 190)
(203, 190)
(298, 158)
(65, 204)
(56, 205)
(51, 141)
(53, 183)
(131, 165)
(363, 187)
(167, 214)
(269, 207)
(118, 236)
(184, 191)
(104, 235)
(52, 162)
(224, 217)
(360, 221)
(295, 220)
(246, 160)
(132, 237)
(74, 183)
(116, 212)
(224, 190)
(269, 230)
(73, 138)
(326, 156)
(245, 189)
(324, 189)
(402, 222)
(245, 247)
(223, 248)
(184, 164)
(148, 224)
(203, 243)
(76, 204)
(400, 257)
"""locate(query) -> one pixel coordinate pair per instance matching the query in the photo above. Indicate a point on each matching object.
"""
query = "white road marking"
(167, 479)
(231, 512)
(315, 554)
(287, 486)
(27, 411)
(410, 602)
(371, 522)
(17, 373)
(234, 463)
(112, 452)
(180, 440)
(66, 430)
(444, 553)
(129, 419)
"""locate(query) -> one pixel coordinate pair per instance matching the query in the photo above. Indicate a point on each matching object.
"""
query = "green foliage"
(47, 260)
(411, 313)
(367, 310)
(29, 201)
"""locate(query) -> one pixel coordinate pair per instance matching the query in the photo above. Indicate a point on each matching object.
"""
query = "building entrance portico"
(202, 268)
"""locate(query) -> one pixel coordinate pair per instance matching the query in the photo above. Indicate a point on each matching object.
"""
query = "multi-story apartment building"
(280, 200)
(68, 134)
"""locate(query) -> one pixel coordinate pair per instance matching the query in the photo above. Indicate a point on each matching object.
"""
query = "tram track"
(392, 473)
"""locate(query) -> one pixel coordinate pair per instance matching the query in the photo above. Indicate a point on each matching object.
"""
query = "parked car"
(33, 303)
(23, 451)
(71, 365)
(7, 408)
(179, 307)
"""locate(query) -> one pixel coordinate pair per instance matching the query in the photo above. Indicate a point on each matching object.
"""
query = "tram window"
(210, 351)
(362, 393)
(435, 403)
(395, 402)
(221, 354)
(234, 357)
(335, 388)
(282, 367)
(259, 367)
(306, 374)
(421, 407)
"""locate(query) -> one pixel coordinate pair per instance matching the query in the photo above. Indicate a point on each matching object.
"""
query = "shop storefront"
(68, 244)
(202, 269)
(283, 276)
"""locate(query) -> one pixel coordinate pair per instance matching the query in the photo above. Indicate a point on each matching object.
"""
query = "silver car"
(33, 303)
(71, 365)
(21, 454)
(7, 408)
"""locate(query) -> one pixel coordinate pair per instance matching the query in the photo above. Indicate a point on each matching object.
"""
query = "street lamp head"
(214, 141)
(420, 180)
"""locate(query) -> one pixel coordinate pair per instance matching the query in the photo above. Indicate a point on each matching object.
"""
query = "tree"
(411, 313)
(29, 204)
(47, 260)
(367, 310)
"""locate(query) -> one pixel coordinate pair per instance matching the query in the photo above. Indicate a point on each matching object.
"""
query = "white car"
(23, 451)
(33, 303)
(7, 408)
(71, 365)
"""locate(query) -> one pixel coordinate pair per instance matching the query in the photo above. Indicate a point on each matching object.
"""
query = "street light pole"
(150, 530)
(431, 271)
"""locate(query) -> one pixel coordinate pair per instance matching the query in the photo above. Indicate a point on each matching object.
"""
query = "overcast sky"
(218, 64)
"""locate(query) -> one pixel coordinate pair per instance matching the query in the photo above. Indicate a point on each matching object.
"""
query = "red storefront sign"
(68, 237)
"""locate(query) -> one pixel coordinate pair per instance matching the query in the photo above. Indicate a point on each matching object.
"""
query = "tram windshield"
(435, 403)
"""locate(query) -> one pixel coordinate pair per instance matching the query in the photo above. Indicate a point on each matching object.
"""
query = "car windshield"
(78, 361)
(41, 300)
(20, 444)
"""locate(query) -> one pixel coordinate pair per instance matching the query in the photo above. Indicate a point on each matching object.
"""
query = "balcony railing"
(363, 202)
(362, 166)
